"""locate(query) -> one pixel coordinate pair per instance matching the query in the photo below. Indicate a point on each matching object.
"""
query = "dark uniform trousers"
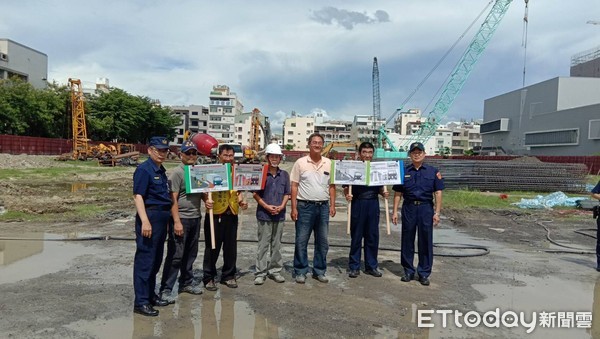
(598, 242)
(148, 255)
(417, 219)
(364, 223)
(181, 254)
(225, 236)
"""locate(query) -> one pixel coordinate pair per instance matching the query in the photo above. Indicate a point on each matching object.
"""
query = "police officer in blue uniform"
(422, 193)
(364, 221)
(153, 205)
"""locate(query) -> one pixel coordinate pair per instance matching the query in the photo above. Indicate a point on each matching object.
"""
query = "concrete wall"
(24, 61)
(555, 104)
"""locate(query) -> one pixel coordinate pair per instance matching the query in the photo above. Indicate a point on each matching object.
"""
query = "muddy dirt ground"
(80, 288)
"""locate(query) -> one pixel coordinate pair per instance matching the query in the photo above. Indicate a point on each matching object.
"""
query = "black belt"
(417, 202)
(227, 212)
(314, 202)
(159, 207)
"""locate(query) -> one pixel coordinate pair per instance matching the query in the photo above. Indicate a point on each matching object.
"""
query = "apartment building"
(224, 106)
(406, 122)
(465, 137)
(193, 118)
(365, 128)
(335, 131)
(23, 62)
(243, 128)
(296, 131)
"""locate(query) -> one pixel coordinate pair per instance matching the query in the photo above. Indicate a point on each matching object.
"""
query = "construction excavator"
(350, 147)
(251, 153)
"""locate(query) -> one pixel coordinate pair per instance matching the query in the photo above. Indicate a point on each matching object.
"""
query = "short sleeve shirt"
(276, 187)
(312, 178)
(189, 204)
(420, 184)
(150, 181)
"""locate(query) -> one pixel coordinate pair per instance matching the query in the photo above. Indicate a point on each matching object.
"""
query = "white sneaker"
(259, 280)
(277, 277)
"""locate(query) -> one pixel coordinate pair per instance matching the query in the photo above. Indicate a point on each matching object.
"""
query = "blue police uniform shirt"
(419, 184)
(150, 181)
(276, 187)
(596, 189)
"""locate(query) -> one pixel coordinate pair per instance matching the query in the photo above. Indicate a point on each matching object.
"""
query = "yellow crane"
(251, 153)
(80, 140)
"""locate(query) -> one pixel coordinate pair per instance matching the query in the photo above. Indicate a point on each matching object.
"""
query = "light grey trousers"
(269, 260)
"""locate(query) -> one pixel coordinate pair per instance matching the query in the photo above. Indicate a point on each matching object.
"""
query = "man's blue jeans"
(311, 216)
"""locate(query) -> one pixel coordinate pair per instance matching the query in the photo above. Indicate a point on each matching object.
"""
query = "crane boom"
(376, 98)
(80, 140)
(461, 72)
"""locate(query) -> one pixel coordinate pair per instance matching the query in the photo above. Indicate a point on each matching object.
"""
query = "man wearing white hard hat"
(270, 214)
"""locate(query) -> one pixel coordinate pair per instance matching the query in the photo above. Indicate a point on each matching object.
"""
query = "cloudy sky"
(283, 56)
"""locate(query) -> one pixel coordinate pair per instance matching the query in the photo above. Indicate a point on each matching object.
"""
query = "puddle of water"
(71, 187)
(528, 293)
(190, 317)
(25, 259)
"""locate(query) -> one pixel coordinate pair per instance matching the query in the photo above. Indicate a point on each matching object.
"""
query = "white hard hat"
(273, 149)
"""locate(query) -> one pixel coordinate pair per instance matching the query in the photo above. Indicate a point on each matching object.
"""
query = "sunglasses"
(190, 153)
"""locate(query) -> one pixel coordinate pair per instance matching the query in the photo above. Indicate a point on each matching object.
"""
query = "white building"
(296, 131)
(26, 63)
(406, 121)
(243, 129)
(365, 128)
(193, 118)
(465, 137)
(335, 131)
(223, 108)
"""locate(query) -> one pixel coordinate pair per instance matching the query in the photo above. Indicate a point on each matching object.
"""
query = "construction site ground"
(73, 279)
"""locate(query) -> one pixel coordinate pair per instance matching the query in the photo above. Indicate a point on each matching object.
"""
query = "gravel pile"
(11, 161)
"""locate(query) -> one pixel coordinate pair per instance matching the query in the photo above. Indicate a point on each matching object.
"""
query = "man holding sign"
(184, 230)
(225, 205)
(364, 221)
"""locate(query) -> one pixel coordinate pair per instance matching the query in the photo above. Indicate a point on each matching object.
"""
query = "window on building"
(552, 138)
(213, 109)
(194, 113)
(194, 122)
(290, 132)
(293, 124)
(180, 141)
(594, 129)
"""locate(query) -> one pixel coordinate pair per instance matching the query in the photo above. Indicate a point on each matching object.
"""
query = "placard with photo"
(207, 178)
(249, 177)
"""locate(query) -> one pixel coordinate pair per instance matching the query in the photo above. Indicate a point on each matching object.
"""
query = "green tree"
(289, 147)
(25, 110)
(120, 116)
(116, 115)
